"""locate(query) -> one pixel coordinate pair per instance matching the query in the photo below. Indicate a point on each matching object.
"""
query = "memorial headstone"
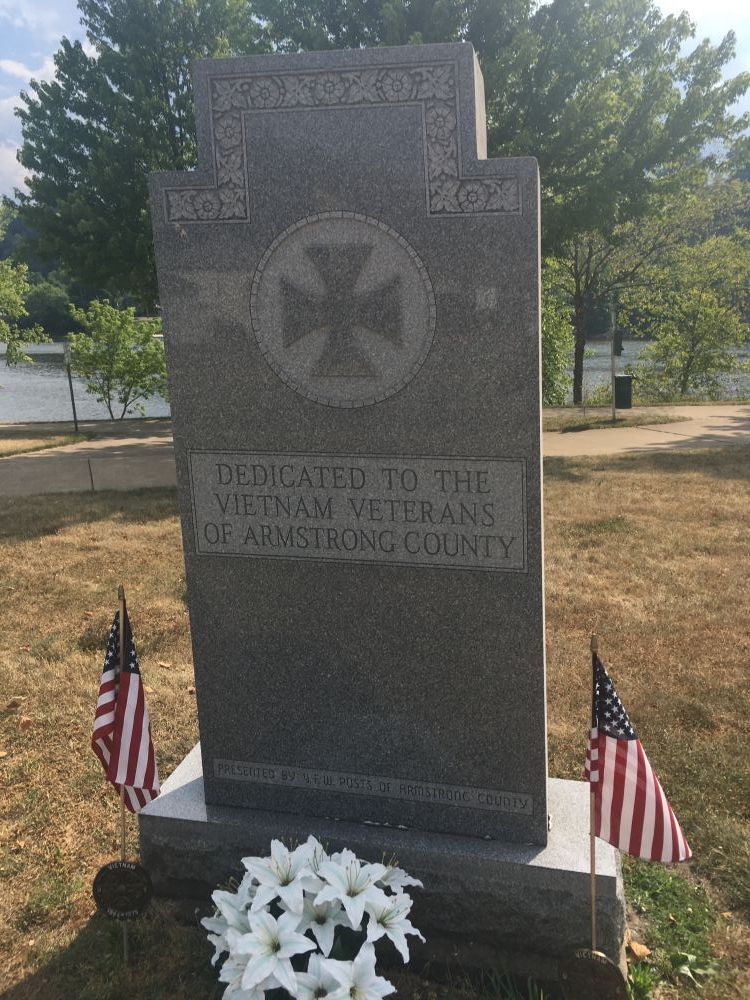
(350, 293)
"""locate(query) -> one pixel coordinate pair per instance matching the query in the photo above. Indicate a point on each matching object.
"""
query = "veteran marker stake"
(121, 739)
(592, 819)
(121, 661)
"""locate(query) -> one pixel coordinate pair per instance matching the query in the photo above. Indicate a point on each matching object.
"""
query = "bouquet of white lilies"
(303, 923)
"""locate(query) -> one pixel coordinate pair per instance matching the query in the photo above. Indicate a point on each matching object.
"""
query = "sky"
(30, 32)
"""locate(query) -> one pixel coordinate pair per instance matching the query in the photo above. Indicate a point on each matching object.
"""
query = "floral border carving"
(433, 87)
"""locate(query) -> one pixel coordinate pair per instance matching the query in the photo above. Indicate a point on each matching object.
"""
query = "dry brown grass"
(60, 561)
(650, 553)
(577, 420)
(20, 444)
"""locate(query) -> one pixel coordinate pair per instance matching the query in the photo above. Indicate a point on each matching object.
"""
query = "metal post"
(592, 821)
(70, 386)
(123, 849)
(612, 331)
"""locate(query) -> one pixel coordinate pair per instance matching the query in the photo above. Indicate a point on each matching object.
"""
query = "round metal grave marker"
(590, 975)
(122, 890)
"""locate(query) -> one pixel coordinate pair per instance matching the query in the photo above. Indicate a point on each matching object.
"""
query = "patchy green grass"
(680, 919)
(51, 899)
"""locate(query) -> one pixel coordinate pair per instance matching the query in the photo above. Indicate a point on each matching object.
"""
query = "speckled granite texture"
(348, 286)
(483, 901)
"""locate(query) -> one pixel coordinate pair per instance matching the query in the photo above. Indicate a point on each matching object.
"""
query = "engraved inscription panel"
(453, 513)
(409, 790)
(343, 309)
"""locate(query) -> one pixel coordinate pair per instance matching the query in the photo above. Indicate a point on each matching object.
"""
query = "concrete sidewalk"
(138, 453)
(713, 426)
(120, 457)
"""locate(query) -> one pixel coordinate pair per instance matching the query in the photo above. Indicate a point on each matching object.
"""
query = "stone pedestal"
(484, 903)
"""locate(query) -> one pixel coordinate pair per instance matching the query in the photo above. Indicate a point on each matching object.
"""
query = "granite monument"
(350, 292)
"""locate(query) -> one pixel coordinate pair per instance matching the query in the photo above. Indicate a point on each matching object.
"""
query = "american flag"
(631, 810)
(122, 730)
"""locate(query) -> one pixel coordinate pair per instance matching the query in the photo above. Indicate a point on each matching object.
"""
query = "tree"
(598, 90)
(91, 135)
(557, 338)
(14, 286)
(693, 309)
(48, 305)
(307, 25)
(119, 356)
(624, 119)
(624, 263)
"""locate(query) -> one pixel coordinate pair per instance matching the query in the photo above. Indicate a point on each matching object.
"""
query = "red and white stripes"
(121, 736)
(632, 811)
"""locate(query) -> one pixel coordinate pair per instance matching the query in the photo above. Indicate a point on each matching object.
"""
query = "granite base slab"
(484, 903)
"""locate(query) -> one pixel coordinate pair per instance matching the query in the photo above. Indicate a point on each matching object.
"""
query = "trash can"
(623, 392)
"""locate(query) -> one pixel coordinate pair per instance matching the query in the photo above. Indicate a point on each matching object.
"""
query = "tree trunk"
(579, 329)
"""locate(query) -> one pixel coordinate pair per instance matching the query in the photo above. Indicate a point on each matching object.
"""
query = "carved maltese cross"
(340, 312)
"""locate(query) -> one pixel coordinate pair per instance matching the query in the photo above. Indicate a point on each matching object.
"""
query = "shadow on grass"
(731, 462)
(168, 960)
(566, 470)
(138, 427)
(24, 518)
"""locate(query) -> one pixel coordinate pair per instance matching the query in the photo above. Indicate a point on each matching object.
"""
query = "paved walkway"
(138, 453)
(713, 426)
(126, 456)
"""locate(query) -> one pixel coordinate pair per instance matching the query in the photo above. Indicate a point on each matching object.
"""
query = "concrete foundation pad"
(522, 906)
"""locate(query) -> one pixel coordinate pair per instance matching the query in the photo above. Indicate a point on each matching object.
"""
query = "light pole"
(66, 354)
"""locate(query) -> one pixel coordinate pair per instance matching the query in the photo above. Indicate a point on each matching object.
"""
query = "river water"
(597, 370)
(39, 391)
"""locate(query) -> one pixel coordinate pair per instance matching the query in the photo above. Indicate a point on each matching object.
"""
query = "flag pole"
(123, 852)
(592, 805)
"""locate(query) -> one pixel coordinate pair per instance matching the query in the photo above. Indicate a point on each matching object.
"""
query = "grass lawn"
(576, 420)
(20, 443)
(649, 552)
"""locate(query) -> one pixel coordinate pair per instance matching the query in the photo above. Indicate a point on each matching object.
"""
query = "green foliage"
(680, 919)
(14, 286)
(694, 310)
(48, 306)
(557, 339)
(295, 25)
(600, 395)
(92, 134)
(597, 267)
(603, 93)
(641, 981)
(119, 357)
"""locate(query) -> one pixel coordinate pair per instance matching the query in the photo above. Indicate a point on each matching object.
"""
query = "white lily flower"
(396, 878)
(316, 982)
(352, 883)
(357, 980)
(285, 874)
(270, 944)
(232, 912)
(390, 919)
(231, 973)
(317, 857)
(322, 919)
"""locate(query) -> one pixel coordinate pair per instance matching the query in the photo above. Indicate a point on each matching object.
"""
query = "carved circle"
(343, 309)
